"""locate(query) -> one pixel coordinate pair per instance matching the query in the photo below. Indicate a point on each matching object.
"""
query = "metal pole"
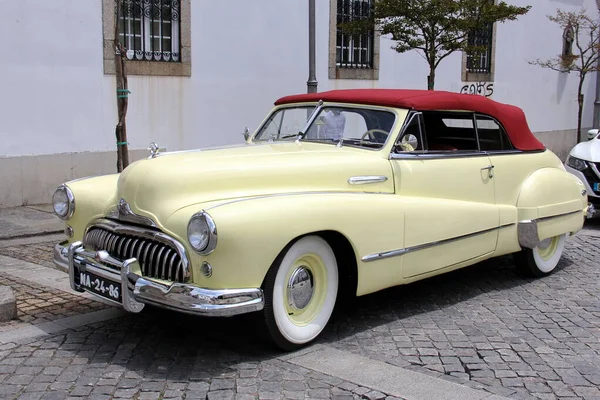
(597, 101)
(312, 83)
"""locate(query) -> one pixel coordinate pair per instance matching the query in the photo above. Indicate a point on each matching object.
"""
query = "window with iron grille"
(354, 51)
(480, 62)
(149, 29)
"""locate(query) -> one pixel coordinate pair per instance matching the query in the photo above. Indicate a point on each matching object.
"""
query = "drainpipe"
(312, 83)
(597, 101)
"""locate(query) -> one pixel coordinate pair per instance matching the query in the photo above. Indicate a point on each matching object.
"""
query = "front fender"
(252, 232)
(92, 197)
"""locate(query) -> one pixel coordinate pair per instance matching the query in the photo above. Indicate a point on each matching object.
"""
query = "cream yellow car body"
(264, 195)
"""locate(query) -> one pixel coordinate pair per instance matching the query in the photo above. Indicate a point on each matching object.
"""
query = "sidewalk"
(27, 221)
(45, 302)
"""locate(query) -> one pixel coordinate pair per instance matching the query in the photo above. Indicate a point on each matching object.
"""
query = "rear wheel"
(300, 292)
(543, 259)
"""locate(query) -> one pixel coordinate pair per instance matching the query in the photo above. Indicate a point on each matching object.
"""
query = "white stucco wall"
(57, 99)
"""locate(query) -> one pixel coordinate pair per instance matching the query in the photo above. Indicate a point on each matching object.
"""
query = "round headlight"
(63, 202)
(202, 233)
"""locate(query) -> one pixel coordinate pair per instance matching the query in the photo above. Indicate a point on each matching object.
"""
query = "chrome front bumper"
(137, 290)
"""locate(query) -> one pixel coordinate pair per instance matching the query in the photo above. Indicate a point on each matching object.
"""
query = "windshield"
(355, 126)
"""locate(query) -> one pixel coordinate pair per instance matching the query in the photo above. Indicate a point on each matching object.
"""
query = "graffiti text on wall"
(480, 88)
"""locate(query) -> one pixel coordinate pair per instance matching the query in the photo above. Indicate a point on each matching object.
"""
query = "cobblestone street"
(485, 327)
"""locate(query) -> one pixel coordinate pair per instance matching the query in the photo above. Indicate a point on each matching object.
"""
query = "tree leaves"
(435, 28)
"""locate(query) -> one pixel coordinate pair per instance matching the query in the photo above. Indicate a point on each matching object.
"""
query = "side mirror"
(409, 142)
(246, 134)
(592, 133)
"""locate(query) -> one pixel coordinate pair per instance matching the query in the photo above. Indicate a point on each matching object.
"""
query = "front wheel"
(300, 292)
(543, 259)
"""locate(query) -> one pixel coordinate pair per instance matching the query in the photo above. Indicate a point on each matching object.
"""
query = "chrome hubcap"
(300, 288)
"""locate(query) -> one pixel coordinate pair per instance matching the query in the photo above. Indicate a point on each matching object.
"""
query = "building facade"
(202, 71)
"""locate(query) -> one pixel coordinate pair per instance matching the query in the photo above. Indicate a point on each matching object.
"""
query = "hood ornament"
(123, 212)
(124, 208)
(153, 148)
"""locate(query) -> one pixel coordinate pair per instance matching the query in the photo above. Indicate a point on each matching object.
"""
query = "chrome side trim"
(266, 196)
(527, 230)
(138, 291)
(426, 155)
(123, 212)
(399, 252)
(469, 153)
(140, 232)
(363, 180)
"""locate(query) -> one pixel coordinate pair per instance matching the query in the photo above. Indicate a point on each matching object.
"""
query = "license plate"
(100, 286)
(596, 187)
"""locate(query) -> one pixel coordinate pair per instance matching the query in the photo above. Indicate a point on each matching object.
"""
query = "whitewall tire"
(300, 292)
(543, 259)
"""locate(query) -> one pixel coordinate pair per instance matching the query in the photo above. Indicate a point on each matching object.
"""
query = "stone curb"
(8, 304)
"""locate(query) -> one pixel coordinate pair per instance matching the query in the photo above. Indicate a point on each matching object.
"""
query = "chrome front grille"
(157, 257)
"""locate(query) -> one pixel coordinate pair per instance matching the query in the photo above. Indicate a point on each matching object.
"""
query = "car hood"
(160, 186)
(589, 151)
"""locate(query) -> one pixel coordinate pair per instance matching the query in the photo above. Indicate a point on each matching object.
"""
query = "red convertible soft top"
(511, 117)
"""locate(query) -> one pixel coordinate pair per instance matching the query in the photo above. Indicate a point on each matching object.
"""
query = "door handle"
(490, 169)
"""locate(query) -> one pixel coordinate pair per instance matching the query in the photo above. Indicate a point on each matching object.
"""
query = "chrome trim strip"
(123, 212)
(287, 194)
(557, 216)
(140, 232)
(363, 180)
(426, 155)
(527, 230)
(399, 252)
(138, 291)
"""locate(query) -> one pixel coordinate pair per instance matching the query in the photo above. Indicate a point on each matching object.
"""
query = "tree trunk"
(122, 96)
(580, 98)
(431, 78)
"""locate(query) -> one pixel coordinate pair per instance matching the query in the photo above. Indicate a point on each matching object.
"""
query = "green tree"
(580, 30)
(434, 28)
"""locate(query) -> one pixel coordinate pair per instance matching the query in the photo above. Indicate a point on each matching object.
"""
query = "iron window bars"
(150, 30)
(481, 62)
(354, 51)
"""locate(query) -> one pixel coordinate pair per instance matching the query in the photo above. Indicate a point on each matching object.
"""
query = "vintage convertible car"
(584, 162)
(339, 193)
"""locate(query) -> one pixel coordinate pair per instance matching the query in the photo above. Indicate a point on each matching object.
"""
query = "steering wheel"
(370, 134)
